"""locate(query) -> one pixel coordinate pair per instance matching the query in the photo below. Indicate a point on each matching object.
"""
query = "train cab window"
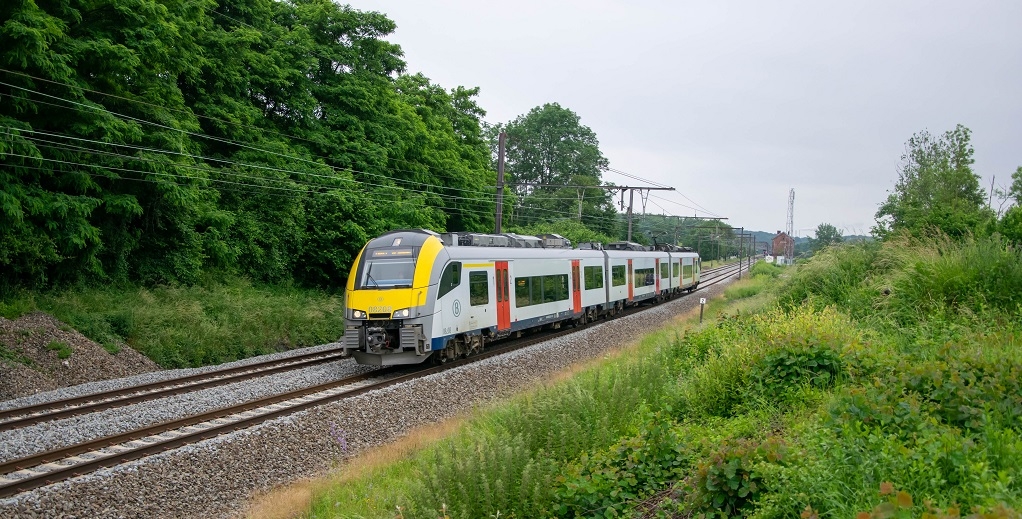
(594, 277)
(677, 269)
(665, 270)
(450, 279)
(617, 275)
(478, 288)
(388, 273)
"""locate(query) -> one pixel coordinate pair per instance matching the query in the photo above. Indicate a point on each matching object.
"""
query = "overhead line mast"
(789, 246)
(631, 195)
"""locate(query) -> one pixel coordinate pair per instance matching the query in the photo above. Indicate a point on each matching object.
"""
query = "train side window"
(555, 288)
(450, 279)
(677, 269)
(617, 275)
(478, 288)
(594, 277)
(521, 292)
(644, 277)
(665, 270)
(537, 290)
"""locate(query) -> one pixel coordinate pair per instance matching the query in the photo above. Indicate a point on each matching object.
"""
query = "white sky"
(734, 103)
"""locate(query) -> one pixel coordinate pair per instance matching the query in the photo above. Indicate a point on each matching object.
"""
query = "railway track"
(52, 466)
(65, 408)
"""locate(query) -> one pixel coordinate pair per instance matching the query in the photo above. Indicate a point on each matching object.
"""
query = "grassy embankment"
(880, 380)
(192, 326)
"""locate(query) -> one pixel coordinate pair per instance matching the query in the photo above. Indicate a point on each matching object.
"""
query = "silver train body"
(415, 295)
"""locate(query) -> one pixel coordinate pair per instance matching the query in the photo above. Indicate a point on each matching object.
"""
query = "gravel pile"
(30, 349)
(216, 477)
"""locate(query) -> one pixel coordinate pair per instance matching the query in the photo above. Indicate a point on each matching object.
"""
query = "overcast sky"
(735, 103)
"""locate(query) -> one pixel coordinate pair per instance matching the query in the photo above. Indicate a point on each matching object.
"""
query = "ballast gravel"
(216, 477)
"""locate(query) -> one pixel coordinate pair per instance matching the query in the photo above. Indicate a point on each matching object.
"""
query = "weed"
(18, 306)
(63, 349)
(199, 325)
(112, 348)
(730, 480)
(14, 356)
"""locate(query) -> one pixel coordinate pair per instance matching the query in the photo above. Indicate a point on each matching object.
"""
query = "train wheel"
(439, 357)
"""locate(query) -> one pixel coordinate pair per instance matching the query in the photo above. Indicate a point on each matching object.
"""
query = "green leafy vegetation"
(248, 140)
(7, 354)
(62, 348)
(199, 325)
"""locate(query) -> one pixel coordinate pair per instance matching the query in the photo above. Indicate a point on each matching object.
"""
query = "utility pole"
(789, 247)
(741, 247)
(631, 199)
(631, 196)
(501, 139)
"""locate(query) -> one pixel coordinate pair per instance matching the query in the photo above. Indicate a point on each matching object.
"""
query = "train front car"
(388, 310)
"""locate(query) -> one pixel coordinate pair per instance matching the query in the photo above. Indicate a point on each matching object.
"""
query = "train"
(417, 295)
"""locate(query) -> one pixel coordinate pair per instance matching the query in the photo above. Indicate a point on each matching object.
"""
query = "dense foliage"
(154, 140)
(936, 189)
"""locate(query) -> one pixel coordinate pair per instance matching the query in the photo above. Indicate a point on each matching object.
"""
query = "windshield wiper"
(369, 276)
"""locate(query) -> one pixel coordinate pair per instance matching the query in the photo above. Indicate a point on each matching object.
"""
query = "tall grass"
(197, 325)
(508, 458)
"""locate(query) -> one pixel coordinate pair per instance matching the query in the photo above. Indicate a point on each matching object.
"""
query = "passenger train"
(415, 295)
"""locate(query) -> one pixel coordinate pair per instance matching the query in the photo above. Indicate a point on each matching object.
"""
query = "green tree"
(826, 234)
(100, 186)
(550, 146)
(1015, 192)
(936, 188)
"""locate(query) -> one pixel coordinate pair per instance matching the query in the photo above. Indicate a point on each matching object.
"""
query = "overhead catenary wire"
(215, 119)
(318, 164)
(220, 171)
(657, 184)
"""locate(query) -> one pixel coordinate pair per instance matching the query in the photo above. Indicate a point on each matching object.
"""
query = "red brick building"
(781, 242)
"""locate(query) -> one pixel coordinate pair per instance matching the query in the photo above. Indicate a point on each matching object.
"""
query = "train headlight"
(358, 314)
(404, 312)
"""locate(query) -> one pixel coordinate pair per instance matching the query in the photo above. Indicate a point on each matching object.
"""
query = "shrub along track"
(42, 469)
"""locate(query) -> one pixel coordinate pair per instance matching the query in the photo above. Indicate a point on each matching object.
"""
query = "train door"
(503, 297)
(576, 288)
(656, 275)
(631, 282)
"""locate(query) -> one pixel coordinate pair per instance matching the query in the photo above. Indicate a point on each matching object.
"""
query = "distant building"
(781, 242)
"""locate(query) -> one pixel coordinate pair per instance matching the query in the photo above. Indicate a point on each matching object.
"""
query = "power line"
(213, 119)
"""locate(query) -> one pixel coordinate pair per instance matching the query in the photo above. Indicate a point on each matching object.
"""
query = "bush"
(949, 279)
(764, 269)
(608, 483)
(730, 481)
(795, 365)
(838, 276)
(748, 360)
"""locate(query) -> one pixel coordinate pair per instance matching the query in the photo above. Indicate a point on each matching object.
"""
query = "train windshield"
(388, 273)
